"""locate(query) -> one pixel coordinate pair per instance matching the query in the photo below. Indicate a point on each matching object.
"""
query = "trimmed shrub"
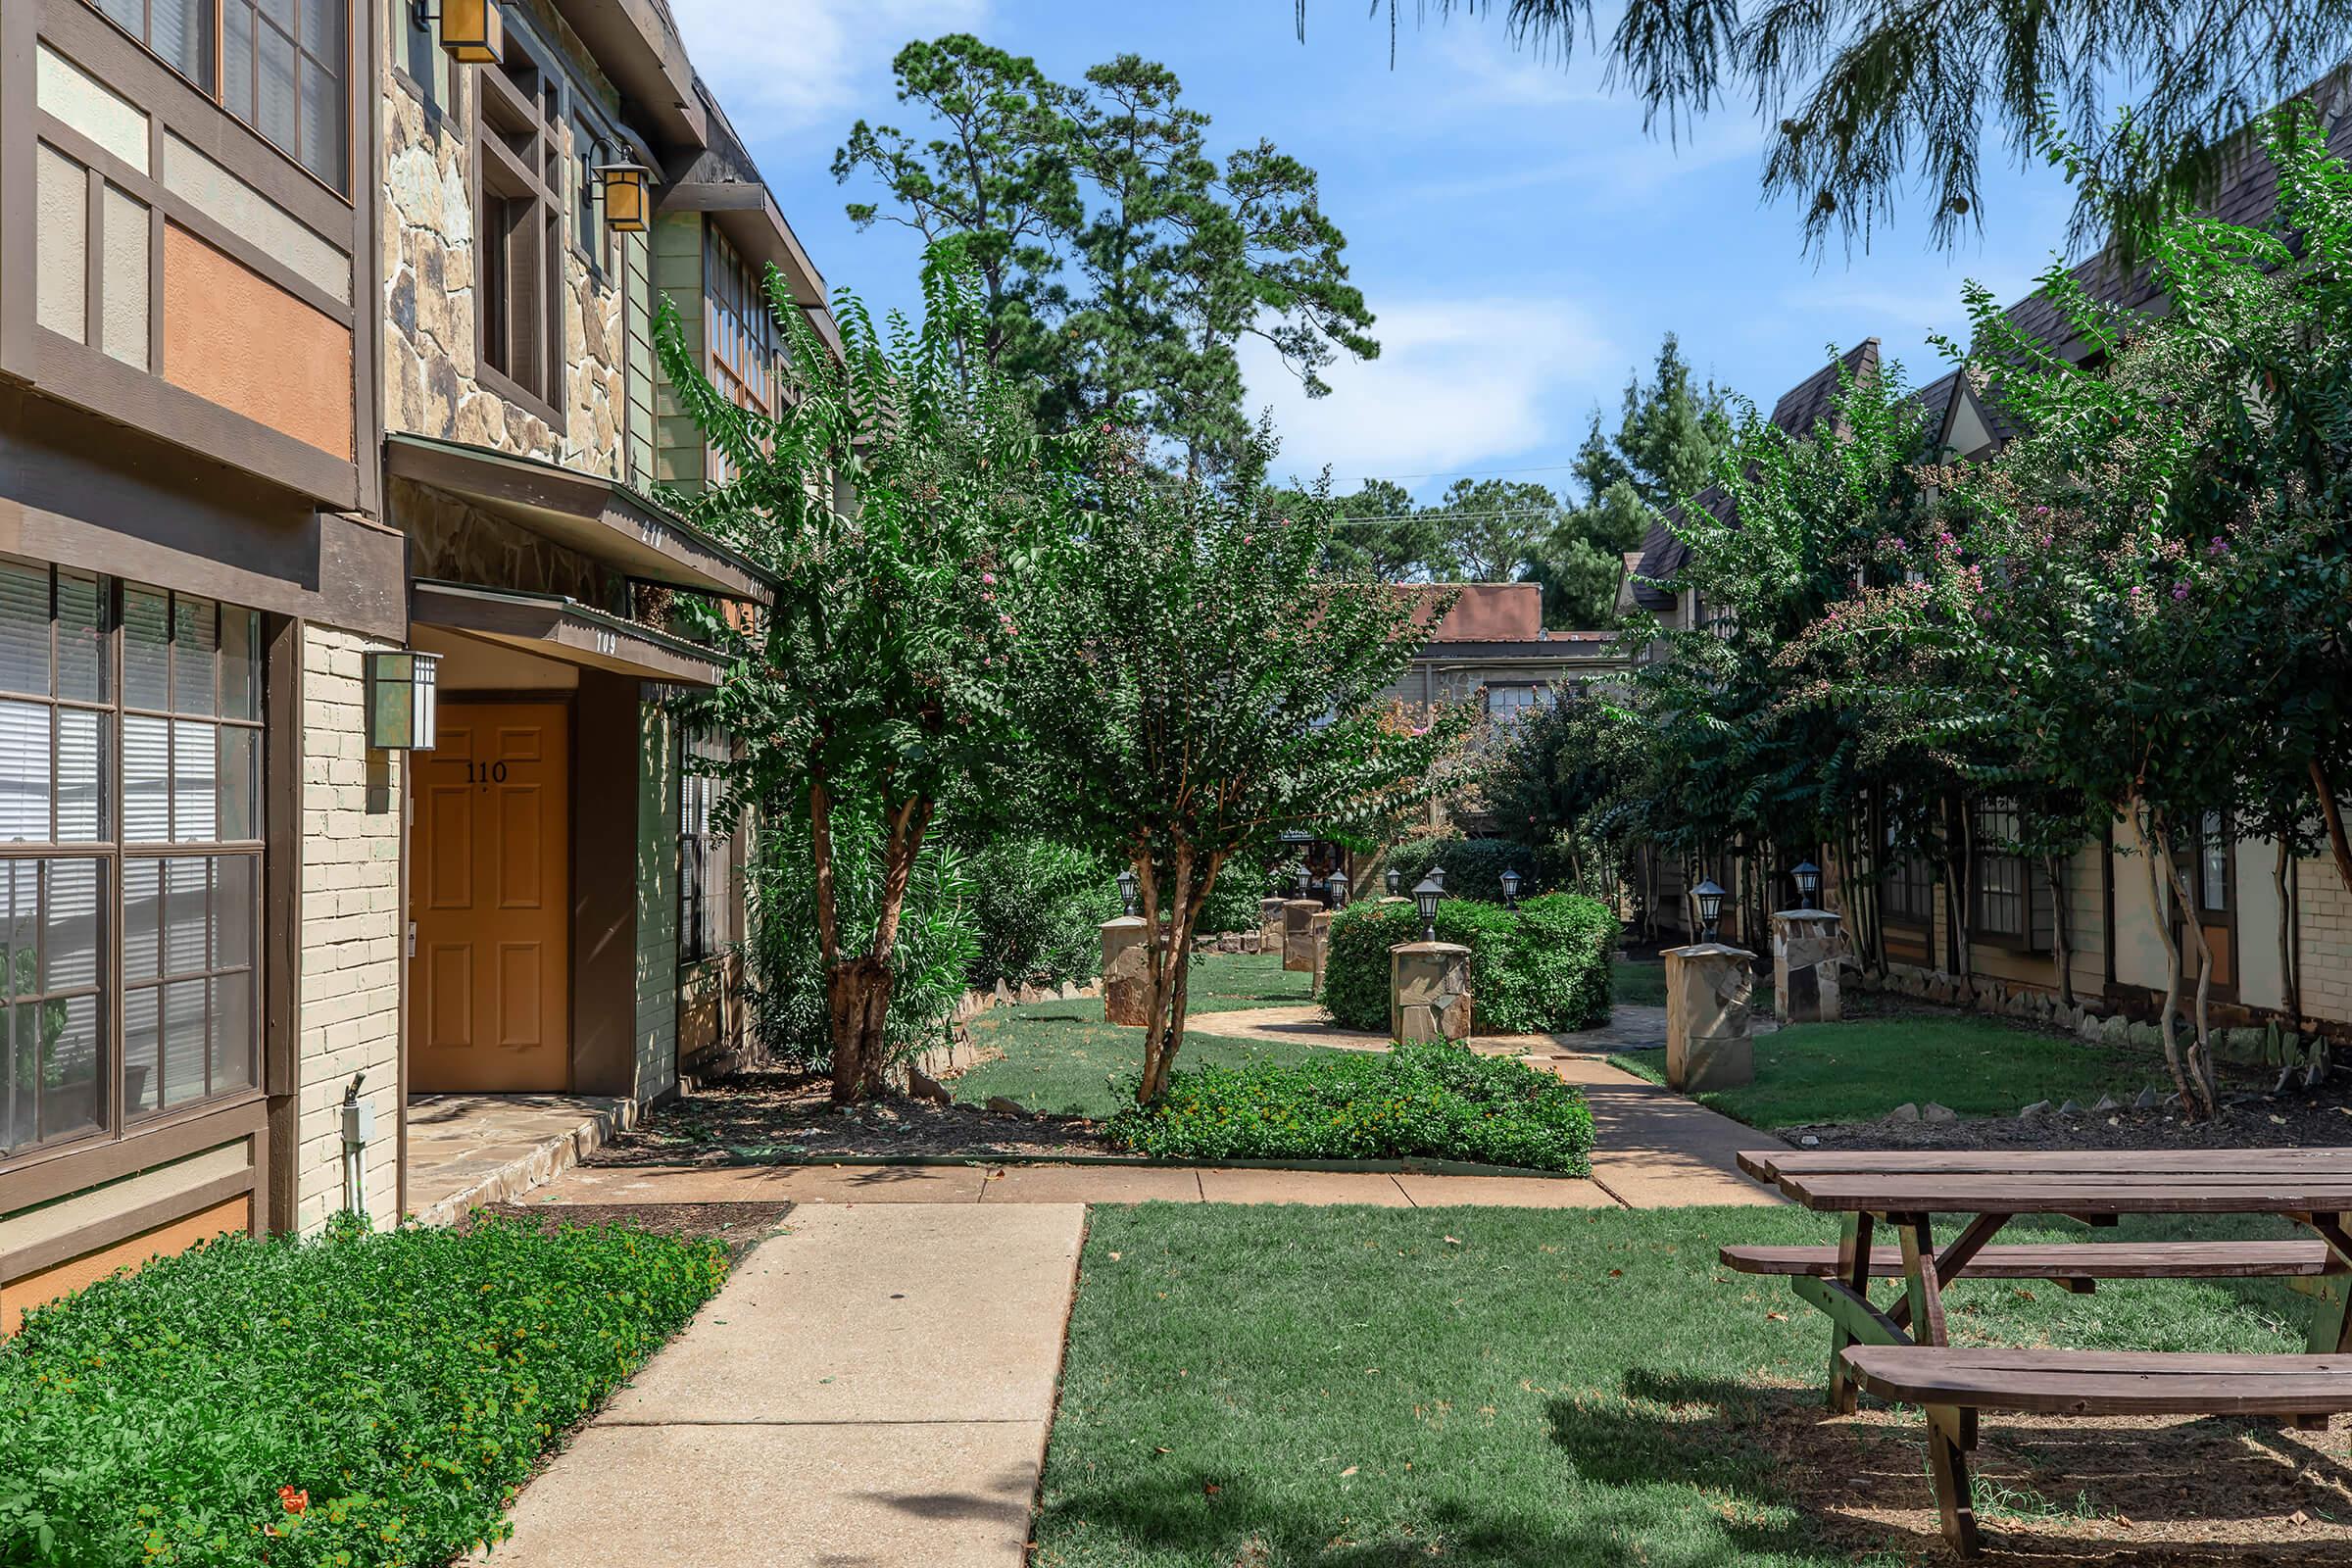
(1429, 1100)
(1541, 968)
(354, 1399)
(1037, 909)
(1474, 867)
(1233, 902)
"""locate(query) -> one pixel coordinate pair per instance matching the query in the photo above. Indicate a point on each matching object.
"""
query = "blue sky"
(1521, 240)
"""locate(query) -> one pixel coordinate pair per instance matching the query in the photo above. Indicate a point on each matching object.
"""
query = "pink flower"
(2180, 590)
(989, 577)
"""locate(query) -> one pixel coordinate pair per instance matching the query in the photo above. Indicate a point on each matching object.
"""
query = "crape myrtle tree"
(899, 499)
(1195, 686)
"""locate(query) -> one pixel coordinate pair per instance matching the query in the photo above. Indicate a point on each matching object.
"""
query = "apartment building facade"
(327, 341)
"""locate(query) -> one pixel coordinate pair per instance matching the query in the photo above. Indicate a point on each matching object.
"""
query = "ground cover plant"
(1351, 1387)
(352, 1399)
(1810, 1073)
(1541, 967)
(1434, 1099)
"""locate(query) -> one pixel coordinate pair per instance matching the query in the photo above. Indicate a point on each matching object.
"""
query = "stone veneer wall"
(351, 932)
(657, 902)
(451, 541)
(431, 385)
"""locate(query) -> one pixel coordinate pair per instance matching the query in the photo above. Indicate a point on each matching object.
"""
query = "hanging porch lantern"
(471, 31)
(626, 190)
(402, 702)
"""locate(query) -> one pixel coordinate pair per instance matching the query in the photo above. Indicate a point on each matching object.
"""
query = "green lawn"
(1639, 982)
(1060, 1057)
(1824, 1072)
(1348, 1388)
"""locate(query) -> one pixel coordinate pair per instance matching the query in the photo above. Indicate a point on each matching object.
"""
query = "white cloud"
(1459, 383)
(785, 66)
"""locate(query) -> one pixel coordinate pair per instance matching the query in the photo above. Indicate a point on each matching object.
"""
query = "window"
(1508, 705)
(745, 348)
(131, 854)
(1906, 882)
(2000, 874)
(2213, 863)
(706, 854)
(521, 227)
(416, 51)
(283, 66)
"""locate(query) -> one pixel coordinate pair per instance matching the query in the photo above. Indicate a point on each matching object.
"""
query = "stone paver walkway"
(465, 1150)
(871, 1388)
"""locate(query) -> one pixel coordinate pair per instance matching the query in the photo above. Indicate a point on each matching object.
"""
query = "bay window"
(130, 852)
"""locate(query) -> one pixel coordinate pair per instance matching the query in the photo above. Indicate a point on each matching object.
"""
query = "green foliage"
(1037, 909)
(1473, 867)
(1435, 1099)
(407, 1383)
(938, 942)
(1123, 259)
(1543, 967)
(1576, 776)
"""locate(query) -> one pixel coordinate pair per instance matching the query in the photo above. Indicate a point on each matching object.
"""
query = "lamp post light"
(1512, 882)
(1425, 898)
(1710, 907)
(1808, 883)
(1395, 881)
(1339, 885)
(1129, 882)
(1436, 874)
(1307, 880)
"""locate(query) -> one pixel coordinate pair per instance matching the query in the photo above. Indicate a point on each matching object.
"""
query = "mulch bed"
(2314, 1118)
(776, 1115)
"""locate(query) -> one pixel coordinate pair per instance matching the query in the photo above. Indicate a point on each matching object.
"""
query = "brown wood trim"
(494, 379)
(91, 379)
(366, 42)
(20, 261)
(563, 630)
(281, 859)
(52, 1173)
(115, 1228)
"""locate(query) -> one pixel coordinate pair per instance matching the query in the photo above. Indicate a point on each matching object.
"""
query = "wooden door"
(2208, 862)
(490, 896)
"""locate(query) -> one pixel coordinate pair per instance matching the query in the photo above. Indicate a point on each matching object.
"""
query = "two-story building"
(325, 341)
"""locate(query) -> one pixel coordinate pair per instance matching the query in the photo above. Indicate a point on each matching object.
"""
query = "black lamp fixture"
(1808, 883)
(1436, 874)
(1710, 907)
(1129, 882)
(1425, 898)
(472, 30)
(1307, 880)
(1338, 884)
(1395, 880)
(1511, 883)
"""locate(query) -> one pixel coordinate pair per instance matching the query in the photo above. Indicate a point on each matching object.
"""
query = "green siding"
(677, 262)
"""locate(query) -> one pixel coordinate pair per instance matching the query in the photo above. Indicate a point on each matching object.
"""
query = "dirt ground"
(2053, 1489)
(769, 1115)
(2314, 1118)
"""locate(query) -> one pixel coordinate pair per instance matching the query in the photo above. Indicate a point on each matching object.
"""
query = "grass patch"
(1640, 982)
(1060, 1057)
(348, 1400)
(1826, 1072)
(1351, 1387)
(1437, 1100)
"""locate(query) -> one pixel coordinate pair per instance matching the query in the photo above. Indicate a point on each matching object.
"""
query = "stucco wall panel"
(227, 1218)
(238, 339)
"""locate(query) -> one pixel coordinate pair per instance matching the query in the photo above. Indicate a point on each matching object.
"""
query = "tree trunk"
(2289, 983)
(2200, 1050)
(1170, 952)
(2159, 900)
(858, 990)
(2332, 813)
(2062, 949)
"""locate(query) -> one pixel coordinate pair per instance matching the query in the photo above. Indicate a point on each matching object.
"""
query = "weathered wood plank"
(2105, 1383)
(2104, 1260)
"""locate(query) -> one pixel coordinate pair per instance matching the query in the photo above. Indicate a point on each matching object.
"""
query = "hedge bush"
(1541, 968)
(352, 1399)
(1429, 1100)
(1474, 867)
(1038, 909)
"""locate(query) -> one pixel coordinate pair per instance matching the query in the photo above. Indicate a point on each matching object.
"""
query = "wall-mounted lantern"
(625, 187)
(471, 31)
(401, 700)
(1710, 907)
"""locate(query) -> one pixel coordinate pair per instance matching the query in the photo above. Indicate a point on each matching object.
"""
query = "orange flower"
(293, 1498)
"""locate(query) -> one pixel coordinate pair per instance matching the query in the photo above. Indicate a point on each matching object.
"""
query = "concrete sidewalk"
(871, 1388)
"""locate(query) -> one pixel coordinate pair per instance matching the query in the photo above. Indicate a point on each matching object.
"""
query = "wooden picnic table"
(1903, 1189)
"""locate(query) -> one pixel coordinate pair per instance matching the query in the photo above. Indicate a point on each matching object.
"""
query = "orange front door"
(490, 972)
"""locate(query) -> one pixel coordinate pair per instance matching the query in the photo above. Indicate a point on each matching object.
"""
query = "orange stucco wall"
(63, 1279)
(233, 337)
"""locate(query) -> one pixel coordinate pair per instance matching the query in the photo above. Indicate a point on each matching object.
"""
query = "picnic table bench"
(1901, 1352)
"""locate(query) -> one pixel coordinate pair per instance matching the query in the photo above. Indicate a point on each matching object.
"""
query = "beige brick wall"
(351, 932)
(2324, 941)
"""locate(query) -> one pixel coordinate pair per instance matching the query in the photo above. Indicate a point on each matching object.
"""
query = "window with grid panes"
(2000, 873)
(2213, 863)
(281, 66)
(130, 852)
(706, 854)
(520, 254)
(740, 329)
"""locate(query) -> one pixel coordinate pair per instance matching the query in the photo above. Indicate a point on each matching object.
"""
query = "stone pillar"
(1429, 991)
(1707, 1040)
(1269, 924)
(1319, 930)
(1298, 934)
(1806, 947)
(1126, 971)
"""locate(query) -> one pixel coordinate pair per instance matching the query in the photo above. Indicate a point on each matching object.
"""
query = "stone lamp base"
(1429, 991)
(1708, 1043)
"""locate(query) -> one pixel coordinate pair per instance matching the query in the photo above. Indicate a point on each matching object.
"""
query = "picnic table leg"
(1950, 1435)
(1853, 1268)
(1922, 1288)
(1955, 1257)
(2331, 1324)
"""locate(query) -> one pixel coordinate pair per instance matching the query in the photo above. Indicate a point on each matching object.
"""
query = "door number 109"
(485, 773)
